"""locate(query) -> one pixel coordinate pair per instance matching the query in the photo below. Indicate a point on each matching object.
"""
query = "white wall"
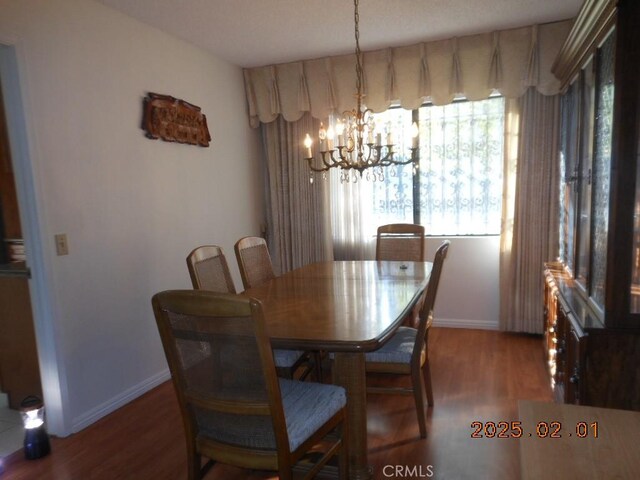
(469, 293)
(132, 207)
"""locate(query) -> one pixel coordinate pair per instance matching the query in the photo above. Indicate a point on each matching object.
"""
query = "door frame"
(23, 147)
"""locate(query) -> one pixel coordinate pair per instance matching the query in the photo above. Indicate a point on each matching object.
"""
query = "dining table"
(347, 308)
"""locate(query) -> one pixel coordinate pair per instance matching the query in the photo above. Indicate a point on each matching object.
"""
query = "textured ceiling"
(252, 33)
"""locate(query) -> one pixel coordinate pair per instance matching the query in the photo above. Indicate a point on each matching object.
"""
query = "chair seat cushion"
(286, 358)
(397, 350)
(307, 406)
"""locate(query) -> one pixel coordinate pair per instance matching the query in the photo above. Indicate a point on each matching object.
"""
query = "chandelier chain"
(356, 16)
(350, 153)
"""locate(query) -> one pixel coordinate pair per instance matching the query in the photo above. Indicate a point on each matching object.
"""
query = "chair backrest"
(222, 368)
(254, 261)
(400, 242)
(426, 312)
(209, 270)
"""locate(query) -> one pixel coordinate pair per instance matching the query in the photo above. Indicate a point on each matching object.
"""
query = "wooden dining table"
(348, 308)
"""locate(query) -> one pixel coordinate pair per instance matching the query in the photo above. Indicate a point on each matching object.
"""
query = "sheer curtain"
(357, 209)
(530, 207)
(352, 222)
(299, 230)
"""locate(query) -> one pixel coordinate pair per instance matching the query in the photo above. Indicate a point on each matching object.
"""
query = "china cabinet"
(592, 294)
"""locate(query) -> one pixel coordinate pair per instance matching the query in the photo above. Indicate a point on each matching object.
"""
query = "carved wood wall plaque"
(174, 120)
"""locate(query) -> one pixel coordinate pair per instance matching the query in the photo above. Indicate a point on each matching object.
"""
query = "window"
(457, 189)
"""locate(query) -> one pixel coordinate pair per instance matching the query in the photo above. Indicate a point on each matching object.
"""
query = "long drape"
(299, 230)
(530, 208)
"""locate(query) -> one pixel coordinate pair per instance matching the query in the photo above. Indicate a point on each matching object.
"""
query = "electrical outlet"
(62, 247)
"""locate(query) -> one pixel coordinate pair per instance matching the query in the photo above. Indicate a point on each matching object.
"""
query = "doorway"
(52, 378)
(19, 368)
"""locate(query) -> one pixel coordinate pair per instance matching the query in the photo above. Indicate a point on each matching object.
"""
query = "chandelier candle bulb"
(378, 140)
(330, 135)
(307, 143)
(340, 132)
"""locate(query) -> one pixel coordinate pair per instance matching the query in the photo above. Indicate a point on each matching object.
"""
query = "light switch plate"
(62, 247)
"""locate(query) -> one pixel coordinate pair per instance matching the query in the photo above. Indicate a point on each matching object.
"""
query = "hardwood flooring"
(477, 376)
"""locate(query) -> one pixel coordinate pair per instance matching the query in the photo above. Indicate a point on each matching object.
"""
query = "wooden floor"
(477, 376)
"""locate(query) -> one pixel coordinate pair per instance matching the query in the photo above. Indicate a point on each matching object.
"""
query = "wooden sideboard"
(588, 363)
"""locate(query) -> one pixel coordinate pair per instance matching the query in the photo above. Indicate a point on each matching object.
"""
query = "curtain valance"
(509, 61)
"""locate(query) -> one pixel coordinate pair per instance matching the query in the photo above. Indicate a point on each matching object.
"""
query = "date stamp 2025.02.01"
(542, 429)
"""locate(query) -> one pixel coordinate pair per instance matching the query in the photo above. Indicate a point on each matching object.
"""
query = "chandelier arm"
(340, 161)
(336, 162)
(317, 169)
(331, 163)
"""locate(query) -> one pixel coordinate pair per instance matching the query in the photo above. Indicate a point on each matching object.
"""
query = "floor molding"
(466, 323)
(125, 397)
(106, 408)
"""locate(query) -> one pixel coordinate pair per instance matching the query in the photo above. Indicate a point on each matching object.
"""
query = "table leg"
(349, 372)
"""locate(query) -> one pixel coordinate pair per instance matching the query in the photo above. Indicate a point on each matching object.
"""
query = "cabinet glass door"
(569, 168)
(586, 155)
(601, 168)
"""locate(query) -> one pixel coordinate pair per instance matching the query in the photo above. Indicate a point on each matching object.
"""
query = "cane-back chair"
(209, 270)
(235, 410)
(254, 261)
(407, 352)
(400, 242)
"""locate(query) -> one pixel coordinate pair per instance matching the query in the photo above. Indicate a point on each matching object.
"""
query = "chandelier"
(355, 145)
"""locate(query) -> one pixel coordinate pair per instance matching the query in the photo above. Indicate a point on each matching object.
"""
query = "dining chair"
(234, 408)
(254, 261)
(209, 270)
(407, 352)
(400, 242)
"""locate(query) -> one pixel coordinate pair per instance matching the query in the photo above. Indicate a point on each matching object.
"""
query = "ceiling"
(252, 33)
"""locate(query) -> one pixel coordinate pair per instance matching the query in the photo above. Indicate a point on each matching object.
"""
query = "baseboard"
(95, 414)
(92, 416)
(466, 323)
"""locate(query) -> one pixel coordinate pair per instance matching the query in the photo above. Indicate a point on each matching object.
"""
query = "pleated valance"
(508, 61)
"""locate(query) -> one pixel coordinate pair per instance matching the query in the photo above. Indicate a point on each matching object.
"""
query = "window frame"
(417, 217)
